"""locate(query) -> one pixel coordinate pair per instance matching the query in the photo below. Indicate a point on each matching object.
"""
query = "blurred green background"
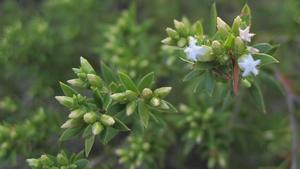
(41, 40)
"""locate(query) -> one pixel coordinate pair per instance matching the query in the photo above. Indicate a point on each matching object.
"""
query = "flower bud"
(217, 47)
(147, 93)
(198, 28)
(107, 120)
(181, 28)
(94, 80)
(61, 159)
(90, 117)
(119, 97)
(238, 47)
(182, 42)
(236, 25)
(222, 26)
(33, 162)
(167, 41)
(97, 128)
(172, 33)
(162, 92)
(130, 108)
(164, 105)
(130, 95)
(246, 83)
(65, 100)
(69, 124)
(155, 101)
(85, 65)
(76, 82)
(76, 114)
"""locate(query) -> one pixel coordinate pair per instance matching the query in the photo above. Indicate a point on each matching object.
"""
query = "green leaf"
(172, 108)
(185, 60)
(263, 47)
(108, 134)
(273, 83)
(213, 19)
(265, 59)
(246, 14)
(69, 133)
(68, 91)
(258, 97)
(192, 74)
(88, 144)
(143, 113)
(127, 82)
(82, 163)
(120, 125)
(108, 74)
(205, 65)
(210, 83)
(87, 131)
(146, 81)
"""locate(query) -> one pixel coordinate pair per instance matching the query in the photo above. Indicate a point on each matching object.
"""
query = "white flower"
(195, 52)
(248, 65)
(252, 50)
(246, 35)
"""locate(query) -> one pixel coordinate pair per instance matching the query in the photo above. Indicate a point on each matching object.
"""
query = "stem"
(236, 74)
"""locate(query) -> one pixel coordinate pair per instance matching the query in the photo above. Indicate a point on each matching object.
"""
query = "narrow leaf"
(68, 91)
(88, 144)
(258, 97)
(69, 133)
(127, 82)
(210, 83)
(108, 74)
(120, 125)
(213, 19)
(265, 59)
(146, 81)
(143, 113)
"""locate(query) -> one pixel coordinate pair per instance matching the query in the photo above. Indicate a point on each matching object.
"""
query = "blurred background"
(41, 40)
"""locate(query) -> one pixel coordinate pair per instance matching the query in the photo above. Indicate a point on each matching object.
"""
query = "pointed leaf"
(108, 134)
(210, 83)
(68, 91)
(265, 59)
(192, 74)
(69, 133)
(143, 113)
(88, 144)
(246, 14)
(213, 19)
(108, 74)
(146, 81)
(258, 97)
(127, 82)
(120, 125)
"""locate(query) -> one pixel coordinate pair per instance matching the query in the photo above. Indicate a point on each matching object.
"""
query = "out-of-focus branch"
(291, 98)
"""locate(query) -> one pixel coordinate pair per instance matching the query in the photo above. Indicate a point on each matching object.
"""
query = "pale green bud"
(61, 159)
(65, 100)
(236, 25)
(130, 108)
(246, 83)
(217, 47)
(167, 41)
(33, 162)
(69, 124)
(76, 114)
(162, 92)
(238, 47)
(198, 28)
(182, 42)
(76, 82)
(147, 93)
(107, 120)
(222, 26)
(90, 117)
(119, 97)
(155, 101)
(97, 128)
(172, 33)
(85, 66)
(181, 28)
(164, 105)
(94, 80)
(130, 95)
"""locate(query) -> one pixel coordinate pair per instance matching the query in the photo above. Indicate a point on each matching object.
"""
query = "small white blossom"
(248, 65)
(252, 50)
(245, 34)
(195, 52)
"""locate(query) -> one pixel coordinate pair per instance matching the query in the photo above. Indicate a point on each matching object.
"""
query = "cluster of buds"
(134, 156)
(99, 114)
(59, 161)
(225, 51)
(200, 128)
